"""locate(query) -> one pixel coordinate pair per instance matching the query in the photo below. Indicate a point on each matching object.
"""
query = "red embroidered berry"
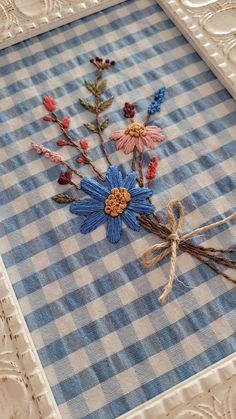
(129, 110)
(49, 103)
(47, 118)
(153, 159)
(62, 142)
(91, 60)
(150, 175)
(65, 122)
(107, 61)
(151, 170)
(80, 160)
(84, 143)
(113, 62)
(65, 178)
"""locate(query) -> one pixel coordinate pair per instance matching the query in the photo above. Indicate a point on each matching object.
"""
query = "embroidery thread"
(174, 240)
(116, 201)
(121, 203)
(138, 135)
(97, 88)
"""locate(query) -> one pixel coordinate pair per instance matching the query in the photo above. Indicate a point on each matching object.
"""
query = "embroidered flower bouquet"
(115, 199)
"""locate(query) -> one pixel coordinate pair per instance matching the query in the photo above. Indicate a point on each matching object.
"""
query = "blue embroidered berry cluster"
(155, 105)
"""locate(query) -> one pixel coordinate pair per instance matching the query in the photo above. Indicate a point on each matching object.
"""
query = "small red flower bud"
(113, 62)
(49, 103)
(80, 160)
(65, 177)
(91, 60)
(107, 61)
(62, 142)
(47, 118)
(84, 143)
(65, 122)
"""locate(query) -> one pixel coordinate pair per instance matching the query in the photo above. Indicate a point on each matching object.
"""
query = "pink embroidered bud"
(65, 178)
(84, 143)
(80, 160)
(62, 142)
(65, 122)
(49, 154)
(49, 103)
(47, 118)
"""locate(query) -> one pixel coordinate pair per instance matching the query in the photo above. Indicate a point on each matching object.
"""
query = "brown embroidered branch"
(50, 104)
(174, 240)
(97, 88)
(140, 170)
(64, 178)
(72, 143)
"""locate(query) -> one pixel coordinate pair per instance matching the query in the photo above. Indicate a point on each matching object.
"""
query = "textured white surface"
(24, 391)
(210, 26)
(210, 394)
(22, 19)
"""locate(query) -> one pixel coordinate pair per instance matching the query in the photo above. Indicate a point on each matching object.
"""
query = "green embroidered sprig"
(99, 105)
(63, 198)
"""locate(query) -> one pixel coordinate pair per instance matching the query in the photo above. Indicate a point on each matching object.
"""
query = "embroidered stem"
(174, 240)
(98, 124)
(140, 170)
(133, 164)
(147, 119)
(75, 186)
(54, 157)
(77, 147)
(97, 88)
(72, 169)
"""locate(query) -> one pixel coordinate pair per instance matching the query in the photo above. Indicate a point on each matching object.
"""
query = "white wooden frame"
(209, 27)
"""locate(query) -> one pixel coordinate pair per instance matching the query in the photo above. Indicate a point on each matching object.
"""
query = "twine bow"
(174, 240)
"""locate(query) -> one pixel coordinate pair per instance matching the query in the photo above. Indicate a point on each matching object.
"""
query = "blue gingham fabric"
(104, 340)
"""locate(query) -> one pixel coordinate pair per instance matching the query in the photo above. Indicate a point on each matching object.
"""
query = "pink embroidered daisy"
(137, 135)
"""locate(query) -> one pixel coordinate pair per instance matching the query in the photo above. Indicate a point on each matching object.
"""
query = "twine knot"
(175, 239)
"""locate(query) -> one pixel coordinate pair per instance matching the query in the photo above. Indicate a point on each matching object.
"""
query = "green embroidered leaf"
(101, 87)
(105, 104)
(88, 105)
(91, 86)
(104, 124)
(91, 127)
(62, 198)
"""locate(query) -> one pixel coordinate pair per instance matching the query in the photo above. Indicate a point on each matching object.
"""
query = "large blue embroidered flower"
(118, 200)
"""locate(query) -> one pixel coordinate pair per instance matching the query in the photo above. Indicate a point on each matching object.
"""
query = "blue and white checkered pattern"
(106, 343)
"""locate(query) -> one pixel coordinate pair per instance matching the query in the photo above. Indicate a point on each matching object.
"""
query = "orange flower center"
(117, 201)
(135, 130)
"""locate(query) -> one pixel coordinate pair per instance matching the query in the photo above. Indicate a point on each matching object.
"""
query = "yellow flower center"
(135, 130)
(117, 201)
